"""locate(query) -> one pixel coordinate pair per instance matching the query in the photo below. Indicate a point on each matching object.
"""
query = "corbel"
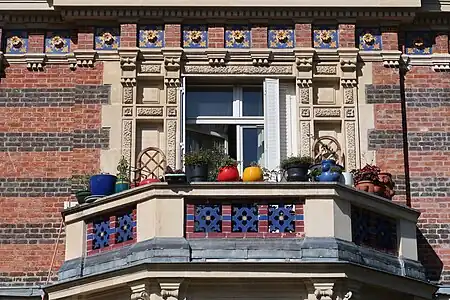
(85, 58)
(391, 58)
(140, 291)
(35, 61)
(170, 290)
(441, 62)
(260, 57)
(217, 58)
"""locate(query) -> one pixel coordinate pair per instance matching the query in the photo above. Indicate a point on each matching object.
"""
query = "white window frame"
(237, 119)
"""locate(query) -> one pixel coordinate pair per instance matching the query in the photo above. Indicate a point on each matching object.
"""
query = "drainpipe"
(404, 67)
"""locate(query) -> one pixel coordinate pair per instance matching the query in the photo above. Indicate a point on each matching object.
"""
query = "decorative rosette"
(152, 36)
(16, 42)
(107, 38)
(58, 42)
(282, 36)
(325, 36)
(238, 36)
(369, 39)
(195, 36)
(419, 43)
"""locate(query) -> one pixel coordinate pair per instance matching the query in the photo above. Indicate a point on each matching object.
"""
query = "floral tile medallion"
(57, 42)
(369, 39)
(195, 36)
(325, 37)
(107, 38)
(151, 36)
(237, 37)
(419, 43)
(281, 37)
(16, 42)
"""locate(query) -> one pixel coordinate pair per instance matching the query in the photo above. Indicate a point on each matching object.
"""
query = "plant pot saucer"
(93, 198)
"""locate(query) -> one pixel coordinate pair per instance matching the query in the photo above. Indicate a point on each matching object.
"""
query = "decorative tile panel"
(57, 42)
(151, 36)
(244, 219)
(16, 42)
(374, 230)
(419, 43)
(107, 38)
(111, 231)
(281, 37)
(369, 39)
(237, 37)
(325, 37)
(195, 36)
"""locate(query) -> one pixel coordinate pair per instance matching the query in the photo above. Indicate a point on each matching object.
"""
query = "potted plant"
(82, 185)
(328, 171)
(367, 179)
(228, 170)
(253, 173)
(177, 176)
(389, 184)
(102, 184)
(297, 167)
(197, 165)
(123, 179)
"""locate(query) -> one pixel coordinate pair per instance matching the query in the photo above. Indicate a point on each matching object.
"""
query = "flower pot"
(229, 173)
(347, 179)
(103, 184)
(197, 173)
(148, 181)
(379, 189)
(81, 196)
(296, 173)
(122, 185)
(329, 175)
(386, 179)
(252, 174)
(365, 185)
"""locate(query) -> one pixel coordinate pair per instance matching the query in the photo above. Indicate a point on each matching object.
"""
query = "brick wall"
(428, 139)
(259, 36)
(50, 131)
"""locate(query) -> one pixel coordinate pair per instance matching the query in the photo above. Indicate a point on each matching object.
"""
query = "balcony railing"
(241, 210)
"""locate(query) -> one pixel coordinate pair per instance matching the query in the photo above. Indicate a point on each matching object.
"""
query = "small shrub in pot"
(297, 167)
(196, 163)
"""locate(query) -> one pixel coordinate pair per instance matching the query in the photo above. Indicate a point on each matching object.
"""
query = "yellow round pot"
(252, 174)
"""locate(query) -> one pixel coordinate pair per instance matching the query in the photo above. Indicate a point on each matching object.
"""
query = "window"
(227, 116)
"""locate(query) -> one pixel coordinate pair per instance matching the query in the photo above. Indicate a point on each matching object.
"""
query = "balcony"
(227, 223)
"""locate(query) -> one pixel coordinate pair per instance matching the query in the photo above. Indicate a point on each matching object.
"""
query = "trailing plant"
(369, 172)
(294, 161)
(197, 158)
(123, 169)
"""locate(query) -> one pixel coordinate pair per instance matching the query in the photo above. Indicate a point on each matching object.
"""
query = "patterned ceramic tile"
(369, 39)
(419, 43)
(57, 42)
(16, 42)
(107, 38)
(151, 36)
(326, 37)
(195, 37)
(237, 37)
(281, 37)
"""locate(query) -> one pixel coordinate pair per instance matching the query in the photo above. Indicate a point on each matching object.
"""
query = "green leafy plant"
(294, 161)
(369, 173)
(122, 169)
(197, 158)
(81, 182)
(318, 171)
(227, 161)
(254, 164)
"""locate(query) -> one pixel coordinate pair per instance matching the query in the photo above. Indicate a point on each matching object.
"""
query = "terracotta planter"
(228, 174)
(378, 189)
(365, 185)
(386, 179)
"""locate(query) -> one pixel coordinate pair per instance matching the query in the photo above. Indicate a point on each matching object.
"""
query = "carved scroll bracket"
(85, 58)
(304, 62)
(140, 291)
(170, 290)
(260, 58)
(217, 58)
(323, 291)
(391, 59)
(35, 61)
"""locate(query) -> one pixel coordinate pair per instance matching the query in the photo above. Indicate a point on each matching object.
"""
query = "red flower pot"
(148, 181)
(229, 173)
(365, 185)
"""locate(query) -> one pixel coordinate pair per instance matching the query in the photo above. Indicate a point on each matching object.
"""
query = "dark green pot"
(81, 196)
(122, 185)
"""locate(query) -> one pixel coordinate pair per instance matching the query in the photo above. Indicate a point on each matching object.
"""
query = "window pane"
(252, 101)
(209, 101)
(253, 146)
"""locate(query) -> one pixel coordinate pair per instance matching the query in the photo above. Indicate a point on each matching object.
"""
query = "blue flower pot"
(103, 184)
(328, 175)
(122, 185)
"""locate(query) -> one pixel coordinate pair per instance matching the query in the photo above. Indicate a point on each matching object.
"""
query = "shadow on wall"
(429, 259)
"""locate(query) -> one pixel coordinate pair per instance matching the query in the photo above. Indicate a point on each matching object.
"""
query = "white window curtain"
(272, 123)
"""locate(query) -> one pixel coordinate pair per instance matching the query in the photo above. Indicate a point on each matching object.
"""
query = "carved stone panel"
(305, 112)
(305, 138)
(171, 95)
(150, 69)
(348, 96)
(350, 137)
(327, 112)
(305, 95)
(238, 70)
(127, 111)
(127, 95)
(127, 136)
(171, 111)
(325, 70)
(349, 112)
(171, 142)
(150, 111)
